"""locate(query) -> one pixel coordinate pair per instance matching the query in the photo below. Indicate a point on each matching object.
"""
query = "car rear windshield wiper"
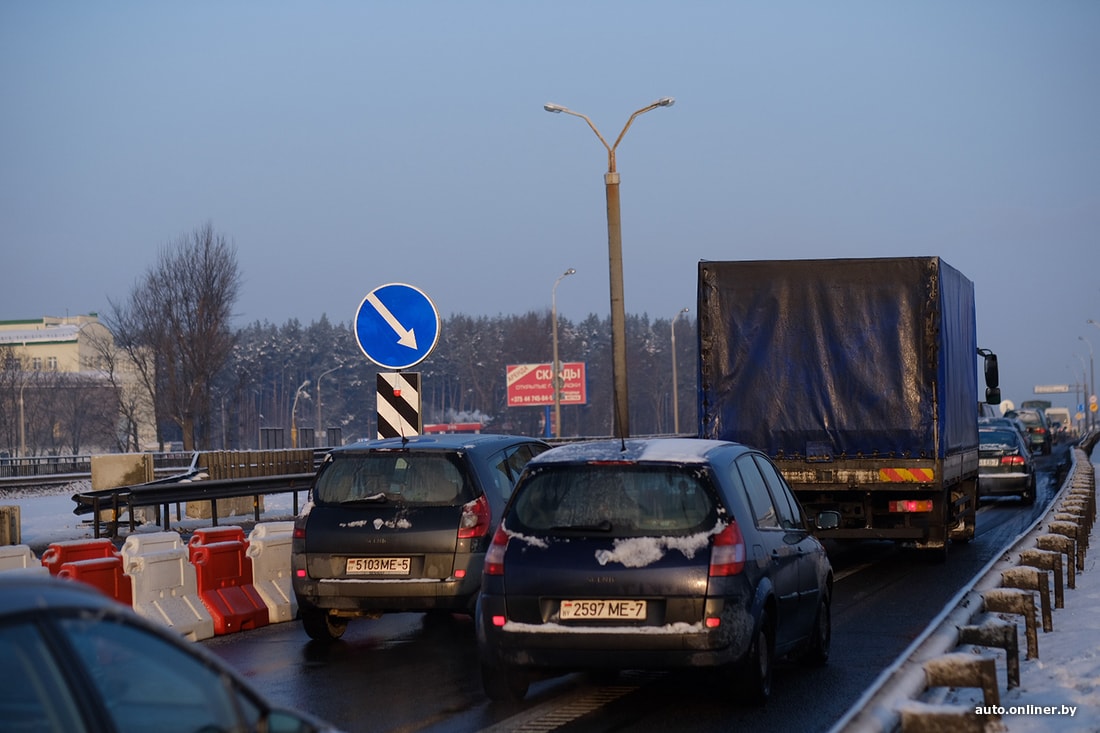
(379, 498)
(602, 526)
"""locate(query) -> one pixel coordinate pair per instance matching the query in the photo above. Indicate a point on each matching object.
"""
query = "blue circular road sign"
(397, 326)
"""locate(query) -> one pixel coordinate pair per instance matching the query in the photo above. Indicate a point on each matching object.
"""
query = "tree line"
(206, 384)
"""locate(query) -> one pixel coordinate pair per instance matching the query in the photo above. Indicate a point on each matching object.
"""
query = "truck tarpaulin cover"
(849, 353)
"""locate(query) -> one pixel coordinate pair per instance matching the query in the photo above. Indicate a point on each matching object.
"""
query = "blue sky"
(340, 146)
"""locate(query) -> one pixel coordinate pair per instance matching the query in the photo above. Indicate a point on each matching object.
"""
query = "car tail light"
(475, 518)
(299, 533)
(911, 505)
(494, 558)
(727, 553)
(1012, 460)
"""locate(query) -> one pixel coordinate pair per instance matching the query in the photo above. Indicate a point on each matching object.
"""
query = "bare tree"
(175, 327)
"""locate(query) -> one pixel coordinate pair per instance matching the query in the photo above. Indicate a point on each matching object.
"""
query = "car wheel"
(821, 640)
(1028, 497)
(754, 682)
(321, 625)
(504, 684)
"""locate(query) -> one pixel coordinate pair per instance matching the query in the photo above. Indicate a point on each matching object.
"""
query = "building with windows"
(65, 388)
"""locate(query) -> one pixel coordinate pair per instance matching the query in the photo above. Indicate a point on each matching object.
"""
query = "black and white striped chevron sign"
(399, 404)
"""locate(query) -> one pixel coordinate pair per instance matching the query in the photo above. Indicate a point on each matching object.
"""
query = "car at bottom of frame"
(76, 660)
(655, 553)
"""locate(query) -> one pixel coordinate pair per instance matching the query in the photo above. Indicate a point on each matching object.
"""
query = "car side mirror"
(827, 519)
(992, 377)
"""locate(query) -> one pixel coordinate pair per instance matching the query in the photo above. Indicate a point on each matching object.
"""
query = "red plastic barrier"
(103, 573)
(210, 535)
(59, 553)
(224, 575)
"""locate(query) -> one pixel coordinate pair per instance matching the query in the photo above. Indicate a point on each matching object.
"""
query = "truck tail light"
(911, 506)
(727, 554)
(494, 557)
(475, 519)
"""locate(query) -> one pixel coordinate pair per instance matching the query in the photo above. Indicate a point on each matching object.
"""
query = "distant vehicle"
(1005, 465)
(76, 660)
(1035, 421)
(1010, 422)
(401, 525)
(1059, 420)
(653, 553)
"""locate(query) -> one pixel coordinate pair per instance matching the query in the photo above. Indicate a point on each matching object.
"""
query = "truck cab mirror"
(992, 377)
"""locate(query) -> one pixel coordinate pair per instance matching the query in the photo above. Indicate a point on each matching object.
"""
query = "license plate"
(989, 462)
(378, 565)
(628, 610)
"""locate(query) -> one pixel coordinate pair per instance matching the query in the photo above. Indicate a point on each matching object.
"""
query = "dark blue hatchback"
(652, 554)
(401, 524)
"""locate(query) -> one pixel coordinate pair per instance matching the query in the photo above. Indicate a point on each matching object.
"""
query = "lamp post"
(294, 414)
(22, 423)
(1092, 383)
(323, 375)
(675, 381)
(555, 371)
(615, 257)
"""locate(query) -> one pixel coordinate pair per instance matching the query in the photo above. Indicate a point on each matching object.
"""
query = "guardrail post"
(1047, 560)
(996, 632)
(1011, 600)
(1027, 578)
(1066, 546)
(1073, 531)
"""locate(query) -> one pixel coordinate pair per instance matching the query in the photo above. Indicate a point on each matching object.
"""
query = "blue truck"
(858, 377)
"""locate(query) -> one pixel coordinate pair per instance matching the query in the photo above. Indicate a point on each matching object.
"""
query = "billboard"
(530, 385)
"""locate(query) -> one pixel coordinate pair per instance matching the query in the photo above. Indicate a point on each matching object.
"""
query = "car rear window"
(378, 477)
(1005, 438)
(616, 500)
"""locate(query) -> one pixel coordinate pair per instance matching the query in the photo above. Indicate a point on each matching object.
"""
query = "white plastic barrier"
(269, 548)
(20, 558)
(164, 583)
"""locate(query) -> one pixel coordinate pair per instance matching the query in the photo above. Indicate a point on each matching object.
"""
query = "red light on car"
(911, 506)
(494, 557)
(727, 554)
(460, 573)
(475, 518)
(499, 620)
(1012, 460)
(300, 572)
(712, 622)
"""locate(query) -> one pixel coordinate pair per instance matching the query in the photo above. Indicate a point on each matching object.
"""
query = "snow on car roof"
(670, 450)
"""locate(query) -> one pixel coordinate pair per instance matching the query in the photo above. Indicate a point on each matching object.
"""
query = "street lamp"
(294, 414)
(1092, 383)
(555, 371)
(22, 422)
(615, 257)
(675, 381)
(323, 375)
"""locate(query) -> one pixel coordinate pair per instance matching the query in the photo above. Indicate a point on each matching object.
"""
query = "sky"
(340, 146)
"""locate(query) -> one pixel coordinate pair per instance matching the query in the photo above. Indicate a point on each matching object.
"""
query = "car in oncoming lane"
(653, 554)
(401, 524)
(1005, 464)
(77, 660)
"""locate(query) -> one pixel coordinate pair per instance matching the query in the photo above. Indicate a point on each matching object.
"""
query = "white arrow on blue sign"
(397, 326)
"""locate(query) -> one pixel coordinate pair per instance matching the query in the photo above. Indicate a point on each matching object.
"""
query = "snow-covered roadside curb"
(1064, 674)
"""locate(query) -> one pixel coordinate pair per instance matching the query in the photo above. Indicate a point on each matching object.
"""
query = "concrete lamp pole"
(1092, 382)
(555, 370)
(22, 423)
(323, 375)
(294, 413)
(675, 381)
(615, 257)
